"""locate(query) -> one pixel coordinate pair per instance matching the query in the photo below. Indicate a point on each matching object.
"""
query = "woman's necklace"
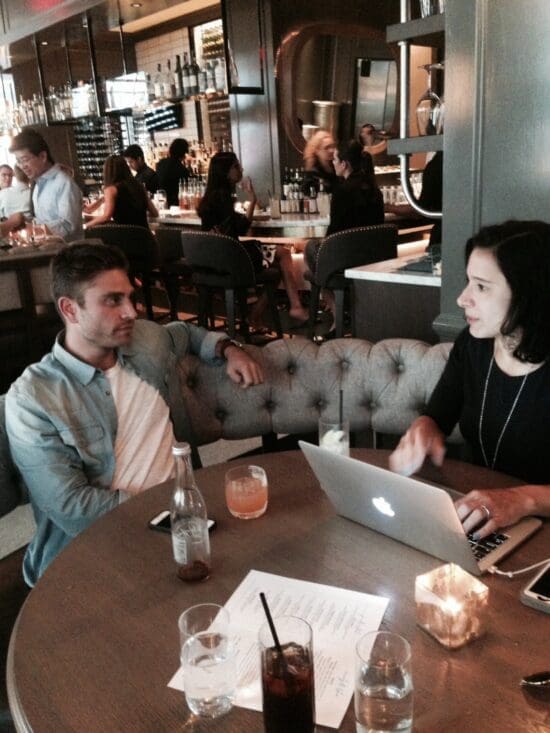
(482, 413)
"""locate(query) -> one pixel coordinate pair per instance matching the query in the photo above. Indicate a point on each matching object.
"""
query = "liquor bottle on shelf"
(68, 100)
(158, 83)
(210, 77)
(178, 77)
(202, 81)
(39, 112)
(219, 75)
(186, 81)
(168, 82)
(193, 77)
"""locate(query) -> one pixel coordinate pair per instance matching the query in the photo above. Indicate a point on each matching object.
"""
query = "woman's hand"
(487, 510)
(423, 438)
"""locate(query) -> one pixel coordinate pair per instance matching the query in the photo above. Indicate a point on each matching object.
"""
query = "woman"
(356, 202)
(217, 212)
(496, 384)
(318, 163)
(125, 201)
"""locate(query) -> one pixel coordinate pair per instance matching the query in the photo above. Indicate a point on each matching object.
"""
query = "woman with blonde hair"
(318, 165)
(125, 201)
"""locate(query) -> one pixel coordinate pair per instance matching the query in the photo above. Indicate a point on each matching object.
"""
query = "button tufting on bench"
(191, 382)
(291, 368)
(269, 405)
(344, 364)
(221, 414)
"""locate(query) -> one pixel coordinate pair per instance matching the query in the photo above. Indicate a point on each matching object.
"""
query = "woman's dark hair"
(178, 148)
(522, 252)
(116, 172)
(352, 153)
(218, 185)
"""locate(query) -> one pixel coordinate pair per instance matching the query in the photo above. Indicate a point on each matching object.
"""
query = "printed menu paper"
(339, 618)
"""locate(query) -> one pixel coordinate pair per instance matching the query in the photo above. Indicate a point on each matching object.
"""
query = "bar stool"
(340, 251)
(221, 262)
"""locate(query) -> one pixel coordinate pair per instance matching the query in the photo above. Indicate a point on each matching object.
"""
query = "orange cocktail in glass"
(246, 491)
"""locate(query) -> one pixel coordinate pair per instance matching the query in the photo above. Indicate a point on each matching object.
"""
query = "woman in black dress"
(125, 201)
(496, 384)
(217, 212)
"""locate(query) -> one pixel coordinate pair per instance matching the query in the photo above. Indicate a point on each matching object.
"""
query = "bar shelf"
(429, 31)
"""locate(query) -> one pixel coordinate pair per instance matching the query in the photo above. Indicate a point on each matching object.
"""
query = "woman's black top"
(355, 203)
(130, 205)
(170, 171)
(218, 214)
(524, 450)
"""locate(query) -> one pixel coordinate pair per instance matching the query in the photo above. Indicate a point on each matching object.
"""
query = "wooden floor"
(13, 592)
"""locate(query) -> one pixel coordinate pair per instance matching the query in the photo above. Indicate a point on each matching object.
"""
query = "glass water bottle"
(190, 540)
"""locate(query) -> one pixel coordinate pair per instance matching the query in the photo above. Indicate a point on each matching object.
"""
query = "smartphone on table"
(161, 522)
(537, 592)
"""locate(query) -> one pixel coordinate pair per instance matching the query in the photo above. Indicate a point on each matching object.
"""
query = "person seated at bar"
(144, 174)
(6, 176)
(125, 201)
(217, 212)
(318, 163)
(496, 384)
(171, 170)
(356, 202)
(17, 197)
(431, 197)
(93, 422)
(56, 199)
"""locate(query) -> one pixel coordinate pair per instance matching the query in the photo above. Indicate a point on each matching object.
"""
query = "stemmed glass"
(430, 109)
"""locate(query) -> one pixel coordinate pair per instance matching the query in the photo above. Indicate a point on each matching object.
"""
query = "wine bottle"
(193, 77)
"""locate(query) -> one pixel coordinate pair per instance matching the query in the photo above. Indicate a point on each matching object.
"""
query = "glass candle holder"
(451, 605)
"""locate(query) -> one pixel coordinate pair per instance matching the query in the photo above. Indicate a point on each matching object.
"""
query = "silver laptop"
(407, 509)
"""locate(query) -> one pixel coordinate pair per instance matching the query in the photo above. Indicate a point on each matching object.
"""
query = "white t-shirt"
(145, 436)
(14, 199)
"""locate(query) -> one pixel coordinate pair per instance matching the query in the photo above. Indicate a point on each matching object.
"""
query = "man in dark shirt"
(144, 174)
(171, 170)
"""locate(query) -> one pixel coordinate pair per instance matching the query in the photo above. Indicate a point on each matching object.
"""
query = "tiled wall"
(158, 50)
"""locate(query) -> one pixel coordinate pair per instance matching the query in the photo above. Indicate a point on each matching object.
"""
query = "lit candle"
(451, 605)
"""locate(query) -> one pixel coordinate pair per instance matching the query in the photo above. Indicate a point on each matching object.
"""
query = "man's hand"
(423, 438)
(241, 367)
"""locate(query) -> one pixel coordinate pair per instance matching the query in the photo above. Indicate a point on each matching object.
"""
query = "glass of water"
(383, 684)
(334, 436)
(209, 673)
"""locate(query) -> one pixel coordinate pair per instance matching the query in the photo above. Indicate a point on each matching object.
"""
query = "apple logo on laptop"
(383, 506)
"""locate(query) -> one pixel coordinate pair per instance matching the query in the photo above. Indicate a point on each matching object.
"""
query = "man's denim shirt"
(61, 423)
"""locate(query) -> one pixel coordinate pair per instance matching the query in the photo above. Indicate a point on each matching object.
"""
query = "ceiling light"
(136, 5)
(43, 43)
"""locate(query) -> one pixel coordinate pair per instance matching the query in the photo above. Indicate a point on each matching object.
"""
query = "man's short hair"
(134, 152)
(6, 165)
(75, 266)
(31, 140)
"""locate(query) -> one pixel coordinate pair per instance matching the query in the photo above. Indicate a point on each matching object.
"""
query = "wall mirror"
(348, 64)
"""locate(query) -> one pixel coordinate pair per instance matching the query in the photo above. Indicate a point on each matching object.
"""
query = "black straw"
(341, 408)
(271, 624)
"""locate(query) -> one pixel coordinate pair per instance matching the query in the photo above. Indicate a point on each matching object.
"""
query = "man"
(144, 174)
(93, 422)
(57, 200)
(6, 175)
(171, 170)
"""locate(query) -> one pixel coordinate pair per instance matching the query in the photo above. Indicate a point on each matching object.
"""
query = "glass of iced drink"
(383, 684)
(209, 673)
(287, 679)
(246, 491)
(334, 436)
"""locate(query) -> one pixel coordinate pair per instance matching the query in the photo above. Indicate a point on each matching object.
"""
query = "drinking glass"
(209, 673)
(334, 436)
(430, 108)
(383, 684)
(246, 491)
(160, 196)
(202, 617)
(288, 688)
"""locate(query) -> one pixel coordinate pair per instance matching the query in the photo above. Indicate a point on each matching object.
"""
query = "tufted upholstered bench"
(385, 387)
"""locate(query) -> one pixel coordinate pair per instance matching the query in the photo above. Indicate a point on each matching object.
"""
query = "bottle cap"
(181, 449)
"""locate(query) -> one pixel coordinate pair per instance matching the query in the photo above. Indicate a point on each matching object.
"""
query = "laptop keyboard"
(483, 547)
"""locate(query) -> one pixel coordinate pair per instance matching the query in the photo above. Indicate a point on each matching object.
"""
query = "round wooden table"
(96, 642)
